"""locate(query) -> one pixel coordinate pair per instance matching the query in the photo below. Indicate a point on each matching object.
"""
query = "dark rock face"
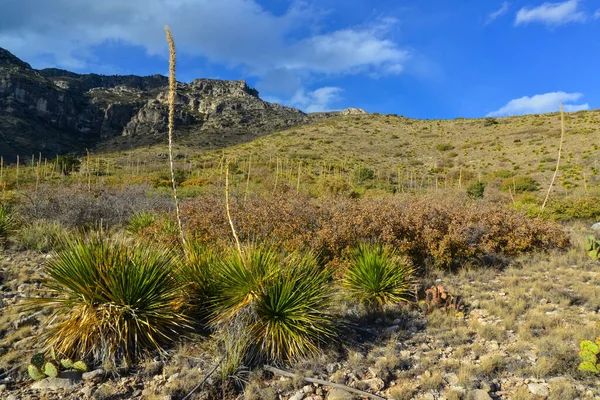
(54, 111)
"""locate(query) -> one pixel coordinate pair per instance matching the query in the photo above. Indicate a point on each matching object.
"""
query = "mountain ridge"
(53, 111)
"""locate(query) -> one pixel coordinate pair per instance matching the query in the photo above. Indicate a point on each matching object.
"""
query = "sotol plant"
(8, 223)
(378, 276)
(112, 301)
(283, 301)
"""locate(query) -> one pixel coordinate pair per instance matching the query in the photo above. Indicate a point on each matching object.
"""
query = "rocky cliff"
(53, 111)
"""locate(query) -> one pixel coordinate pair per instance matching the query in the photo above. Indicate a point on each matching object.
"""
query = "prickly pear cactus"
(66, 363)
(592, 247)
(35, 373)
(51, 369)
(80, 366)
(589, 355)
(38, 360)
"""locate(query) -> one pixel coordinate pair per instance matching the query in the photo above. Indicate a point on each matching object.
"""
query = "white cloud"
(318, 100)
(541, 103)
(282, 50)
(498, 13)
(597, 14)
(552, 14)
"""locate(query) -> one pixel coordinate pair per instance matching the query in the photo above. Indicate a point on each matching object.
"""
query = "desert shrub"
(140, 221)
(365, 174)
(519, 184)
(74, 206)
(8, 222)
(282, 301)
(432, 231)
(111, 301)
(333, 185)
(67, 164)
(490, 121)
(476, 189)
(585, 208)
(378, 276)
(40, 235)
(444, 147)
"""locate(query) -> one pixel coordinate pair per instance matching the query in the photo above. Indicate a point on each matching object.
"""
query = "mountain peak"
(7, 58)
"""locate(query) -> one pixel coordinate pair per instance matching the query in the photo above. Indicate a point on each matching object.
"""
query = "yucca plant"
(8, 223)
(112, 301)
(378, 276)
(282, 300)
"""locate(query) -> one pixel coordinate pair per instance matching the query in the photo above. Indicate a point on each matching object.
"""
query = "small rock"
(86, 391)
(54, 384)
(12, 397)
(428, 396)
(405, 353)
(452, 379)
(539, 389)
(97, 373)
(308, 389)
(480, 394)
(596, 226)
(2, 388)
(297, 396)
(339, 394)
(374, 384)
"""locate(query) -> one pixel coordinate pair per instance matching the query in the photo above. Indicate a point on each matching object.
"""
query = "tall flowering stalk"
(172, 94)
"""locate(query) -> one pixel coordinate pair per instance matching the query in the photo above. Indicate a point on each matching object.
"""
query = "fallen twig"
(282, 372)
(203, 380)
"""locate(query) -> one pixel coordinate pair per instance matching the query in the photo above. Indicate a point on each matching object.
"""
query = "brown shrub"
(434, 231)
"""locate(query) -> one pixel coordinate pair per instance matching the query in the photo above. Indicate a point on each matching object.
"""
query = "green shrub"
(140, 221)
(476, 189)
(378, 276)
(66, 164)
(283, 301)
(365, 174)
(40, 235)
(519, 184)
(111, 301)
(589, 354)
(585, 208)
(8, 223)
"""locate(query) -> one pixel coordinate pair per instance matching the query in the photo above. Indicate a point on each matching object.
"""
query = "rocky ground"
(516, 338)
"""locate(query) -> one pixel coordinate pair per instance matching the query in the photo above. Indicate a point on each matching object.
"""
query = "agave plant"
(282, 300)
(112, 301)
(8, 223)
(378, 276)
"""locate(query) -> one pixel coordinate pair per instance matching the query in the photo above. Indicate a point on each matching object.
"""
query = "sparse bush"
(490, 121)
(111, 301)
(365, 174)
(378, 276)
(584, 208)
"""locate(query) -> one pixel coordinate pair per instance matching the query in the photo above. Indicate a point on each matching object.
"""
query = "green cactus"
(35, 373)
(38, 360)
(66, 363)
(51, 369)
(592, 247)
(80, 366)
(589, 355)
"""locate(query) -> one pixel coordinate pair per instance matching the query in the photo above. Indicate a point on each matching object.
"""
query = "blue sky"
(421, 59)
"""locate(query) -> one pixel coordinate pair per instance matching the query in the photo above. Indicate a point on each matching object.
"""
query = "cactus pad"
(38, 360)
(51, 369)
(66, 363)
(35, 373)
(80, 366)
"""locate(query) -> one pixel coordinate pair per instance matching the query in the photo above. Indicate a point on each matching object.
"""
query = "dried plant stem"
(89, 173)
(172, 94)
(562, 135)
(248, 179)
(235, 236)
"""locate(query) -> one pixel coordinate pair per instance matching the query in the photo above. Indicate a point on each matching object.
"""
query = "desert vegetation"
(369, 255)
